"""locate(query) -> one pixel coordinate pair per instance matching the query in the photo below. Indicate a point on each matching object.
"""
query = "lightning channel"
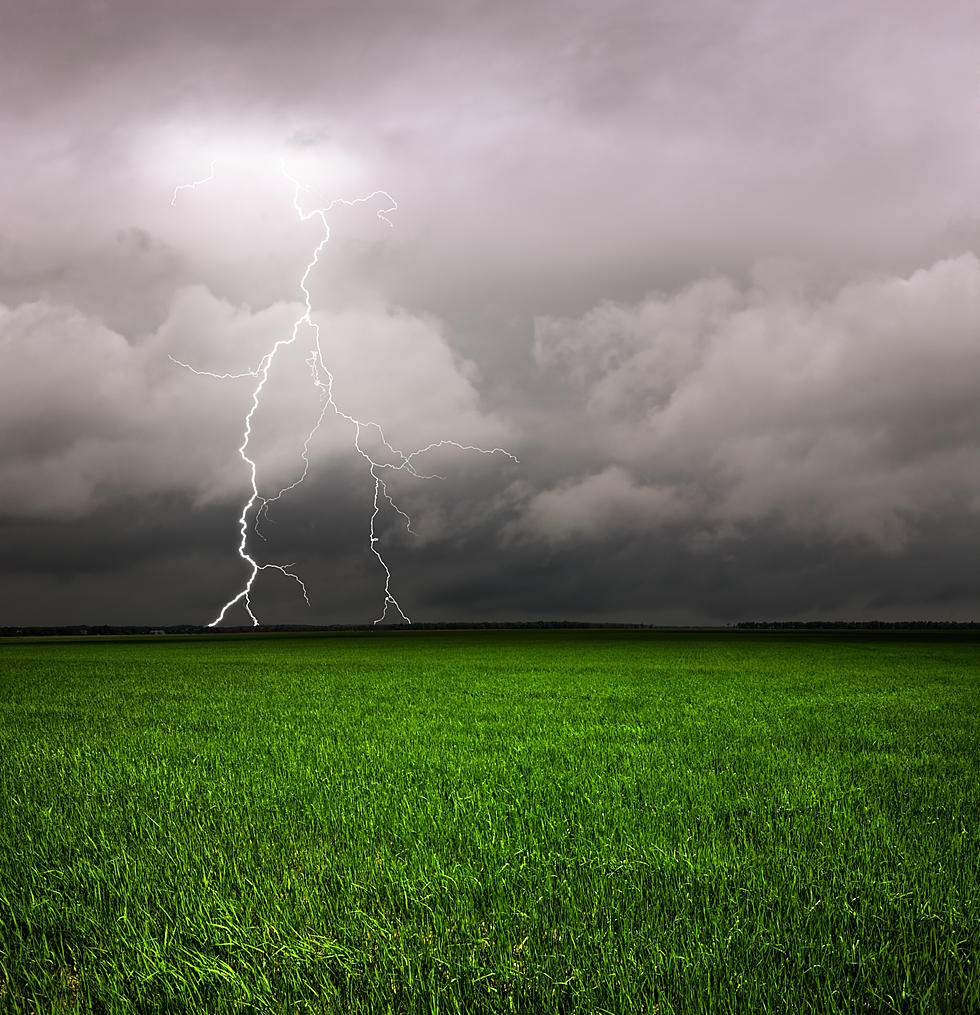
(256, 505)
(193, 185)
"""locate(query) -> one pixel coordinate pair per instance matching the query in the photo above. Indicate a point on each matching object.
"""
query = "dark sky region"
(709, 269)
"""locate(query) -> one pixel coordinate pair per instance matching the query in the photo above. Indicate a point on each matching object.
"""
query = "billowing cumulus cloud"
(605, 502)
(848, 415)
(89, 416)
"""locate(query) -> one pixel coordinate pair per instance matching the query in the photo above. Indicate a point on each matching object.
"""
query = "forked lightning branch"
(322, 379)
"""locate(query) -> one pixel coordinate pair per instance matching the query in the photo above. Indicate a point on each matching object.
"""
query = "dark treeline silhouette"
(858, 625)
(81, 630)
(85, 630)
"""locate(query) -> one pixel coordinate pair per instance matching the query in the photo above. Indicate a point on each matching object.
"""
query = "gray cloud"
(708, 268)
(853, 416)
(89, 416)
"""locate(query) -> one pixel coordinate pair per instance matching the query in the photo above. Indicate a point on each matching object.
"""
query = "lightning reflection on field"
(257, 506)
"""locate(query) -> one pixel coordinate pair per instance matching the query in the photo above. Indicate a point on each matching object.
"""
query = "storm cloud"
(709, 270)
(853, 416)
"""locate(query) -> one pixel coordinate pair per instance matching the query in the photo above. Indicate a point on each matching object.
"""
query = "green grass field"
(616, 822)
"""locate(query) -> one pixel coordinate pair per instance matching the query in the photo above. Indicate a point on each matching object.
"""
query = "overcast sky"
(708, 269)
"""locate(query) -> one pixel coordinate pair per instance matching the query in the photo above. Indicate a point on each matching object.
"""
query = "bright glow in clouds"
(256, 506)
(245, 152)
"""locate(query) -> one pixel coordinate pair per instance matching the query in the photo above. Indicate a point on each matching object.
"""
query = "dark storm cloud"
(850, 416)
(708, 269)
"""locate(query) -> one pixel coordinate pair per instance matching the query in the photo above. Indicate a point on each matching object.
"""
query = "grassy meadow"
(509, 821)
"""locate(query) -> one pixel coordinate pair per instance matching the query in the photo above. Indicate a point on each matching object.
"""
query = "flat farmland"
(498, 821)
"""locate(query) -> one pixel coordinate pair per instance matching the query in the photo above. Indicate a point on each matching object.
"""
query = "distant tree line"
(145, 630)
(81, 630)
(858, 625)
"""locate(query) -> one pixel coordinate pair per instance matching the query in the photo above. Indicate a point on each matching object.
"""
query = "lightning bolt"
(193, 185)
(323, 380)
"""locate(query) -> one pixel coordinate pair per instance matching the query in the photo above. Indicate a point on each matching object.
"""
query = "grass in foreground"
(508, 821)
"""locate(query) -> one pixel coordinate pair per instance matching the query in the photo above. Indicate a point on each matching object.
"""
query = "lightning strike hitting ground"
(322, 379)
